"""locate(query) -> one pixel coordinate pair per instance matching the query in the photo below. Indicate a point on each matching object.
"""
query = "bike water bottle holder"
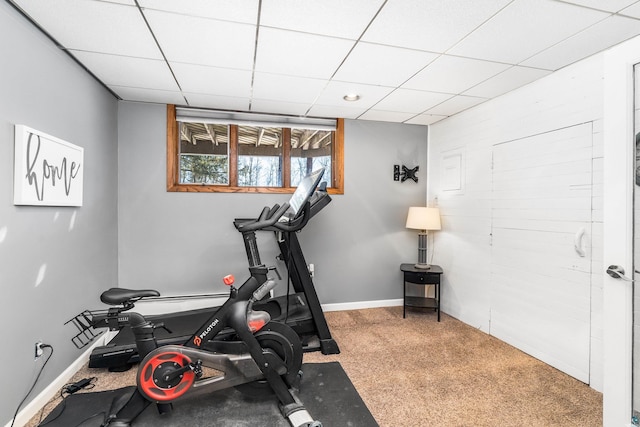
(87, 323)
(84, 323)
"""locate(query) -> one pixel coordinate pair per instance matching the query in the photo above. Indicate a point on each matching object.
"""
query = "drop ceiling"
(410, 61)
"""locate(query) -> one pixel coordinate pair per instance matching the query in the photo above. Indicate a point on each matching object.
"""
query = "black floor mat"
(326, 392)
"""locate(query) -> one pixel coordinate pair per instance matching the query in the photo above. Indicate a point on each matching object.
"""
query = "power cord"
(66, 391)
(42, 411)
(77, 386)
(43, 346)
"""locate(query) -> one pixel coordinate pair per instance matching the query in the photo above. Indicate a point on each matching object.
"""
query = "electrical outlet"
(312, 270)
(38, 349)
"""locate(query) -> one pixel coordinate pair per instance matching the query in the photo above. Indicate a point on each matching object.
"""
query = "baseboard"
(359, 305)
(53, 389)
(175, 304)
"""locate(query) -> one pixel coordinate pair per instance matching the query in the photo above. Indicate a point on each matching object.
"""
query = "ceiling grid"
(410, 61)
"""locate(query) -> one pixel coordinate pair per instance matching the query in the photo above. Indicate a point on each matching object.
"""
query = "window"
(259, 156)
(200, 162)
(211, 151)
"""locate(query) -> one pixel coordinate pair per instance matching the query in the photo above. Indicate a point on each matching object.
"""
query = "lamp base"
(422, 266)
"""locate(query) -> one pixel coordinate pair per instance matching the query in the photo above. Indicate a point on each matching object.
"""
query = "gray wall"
(74, 249)
(184, 243)
(132, 233)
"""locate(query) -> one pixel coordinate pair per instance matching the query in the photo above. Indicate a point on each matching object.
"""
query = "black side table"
(424, 277)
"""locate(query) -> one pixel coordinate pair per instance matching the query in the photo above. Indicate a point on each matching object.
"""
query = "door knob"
(617, 272)
(578, 242)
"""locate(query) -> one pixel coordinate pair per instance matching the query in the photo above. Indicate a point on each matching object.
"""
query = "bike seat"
(115, 296)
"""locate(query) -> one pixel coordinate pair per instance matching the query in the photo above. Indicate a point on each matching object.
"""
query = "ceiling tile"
(333, 111)
(201, 100)
(128, 71)
(411, 101)
(94, 26)
(286, 88)
(456, 104)
(334, 92)
(524, 28)
(386, 116)
(377, 64)
(608, 5)
(506, 81)
(633, 10)
(148, 95)
(279, 107)
(429, 25)
(299, 54)
(425, 119)
(400, 56)
(203, 41)
(213, 80)
(320, 17)
(598, 37)
(245, 11)
(454, 75)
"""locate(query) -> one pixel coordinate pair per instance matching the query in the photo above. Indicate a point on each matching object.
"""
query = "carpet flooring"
(417, 371)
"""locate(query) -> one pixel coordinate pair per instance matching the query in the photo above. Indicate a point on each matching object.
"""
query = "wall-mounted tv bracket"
(405, 174)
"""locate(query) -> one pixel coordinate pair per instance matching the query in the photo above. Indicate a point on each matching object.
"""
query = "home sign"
(47, 170)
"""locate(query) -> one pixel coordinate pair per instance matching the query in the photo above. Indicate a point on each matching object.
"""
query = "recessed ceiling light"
(351, 97)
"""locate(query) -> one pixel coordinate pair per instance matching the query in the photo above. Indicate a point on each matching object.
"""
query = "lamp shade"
(422, 218)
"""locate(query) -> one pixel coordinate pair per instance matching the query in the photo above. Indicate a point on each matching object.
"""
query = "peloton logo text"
(198, 340)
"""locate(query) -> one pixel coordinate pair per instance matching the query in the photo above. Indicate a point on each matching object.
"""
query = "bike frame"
(233, 313)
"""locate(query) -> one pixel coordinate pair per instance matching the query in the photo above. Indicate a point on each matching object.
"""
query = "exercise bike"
(301, 309)
(239, 343)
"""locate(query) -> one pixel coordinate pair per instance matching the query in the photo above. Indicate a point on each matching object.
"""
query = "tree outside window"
(237, 157)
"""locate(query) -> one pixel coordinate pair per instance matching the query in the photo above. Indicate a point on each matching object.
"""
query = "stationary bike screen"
(303, 192)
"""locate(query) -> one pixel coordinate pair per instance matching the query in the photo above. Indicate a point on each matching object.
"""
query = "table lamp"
(423, 219)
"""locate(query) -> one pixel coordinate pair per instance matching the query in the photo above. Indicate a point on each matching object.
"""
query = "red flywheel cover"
(151, 377)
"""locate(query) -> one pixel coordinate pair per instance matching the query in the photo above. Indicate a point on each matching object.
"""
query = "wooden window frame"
(173, 163)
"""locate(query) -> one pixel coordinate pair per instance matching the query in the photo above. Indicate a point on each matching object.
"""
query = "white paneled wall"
(569, 97)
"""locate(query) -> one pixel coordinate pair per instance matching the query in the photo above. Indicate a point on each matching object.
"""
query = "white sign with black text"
(47, 170)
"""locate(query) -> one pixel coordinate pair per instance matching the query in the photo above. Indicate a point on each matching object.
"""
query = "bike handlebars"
(269, 217)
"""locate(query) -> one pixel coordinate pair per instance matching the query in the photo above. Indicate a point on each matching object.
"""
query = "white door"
(541, 258)
(619, 153)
